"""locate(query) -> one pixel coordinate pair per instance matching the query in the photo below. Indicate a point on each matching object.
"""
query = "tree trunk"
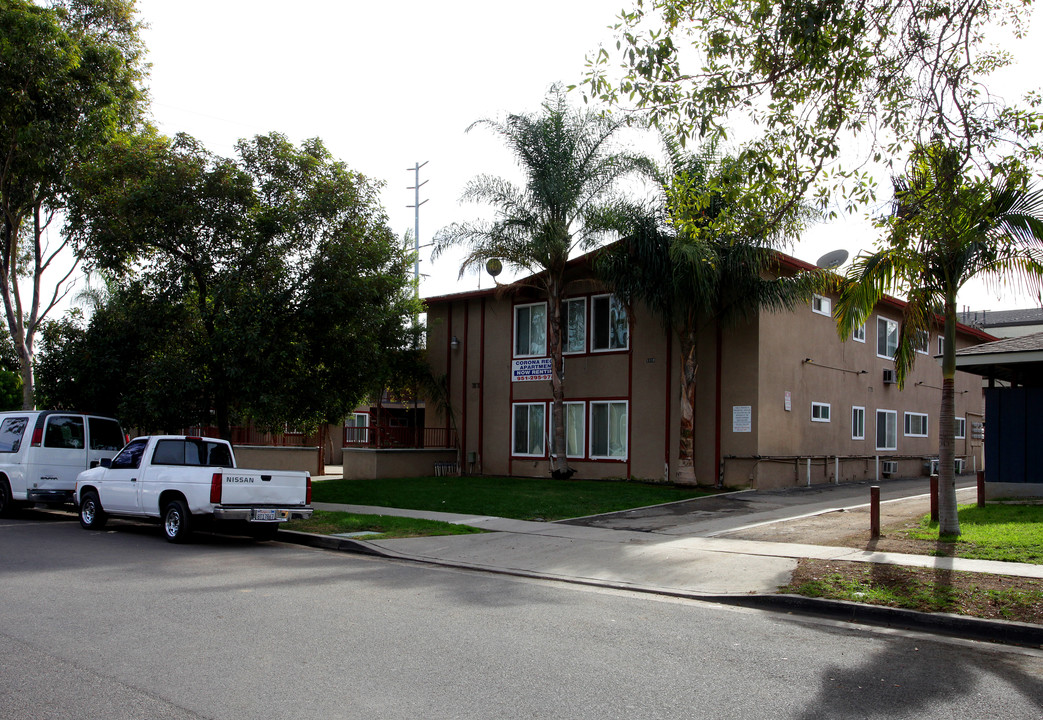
(559, 465)
(948, 518)
(686, 451)
(324, 431)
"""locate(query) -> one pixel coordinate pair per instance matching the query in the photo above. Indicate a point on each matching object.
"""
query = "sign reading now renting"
(531, 369)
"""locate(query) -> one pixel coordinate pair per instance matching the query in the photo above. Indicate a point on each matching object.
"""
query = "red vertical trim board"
(669, 376)
(448, 366)
(630, 404)
(481, 390)
(464, 345)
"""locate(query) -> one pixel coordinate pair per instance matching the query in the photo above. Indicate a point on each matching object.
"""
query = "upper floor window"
(858, 423)
(923, 342)
(941, 344)
(886, 337)
(915, 424)
(961, 428)
(821, 305)
(819, 412)
(859, 333)
(611, 330)
(886, 429)
(574, 325)
(530, 330)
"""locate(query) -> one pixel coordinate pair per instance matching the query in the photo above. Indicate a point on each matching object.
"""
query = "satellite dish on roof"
(833, 259)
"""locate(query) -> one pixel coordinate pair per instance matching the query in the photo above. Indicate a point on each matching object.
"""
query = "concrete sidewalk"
(720, 569)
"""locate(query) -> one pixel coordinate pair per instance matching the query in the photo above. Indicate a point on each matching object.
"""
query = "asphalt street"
(120, 624)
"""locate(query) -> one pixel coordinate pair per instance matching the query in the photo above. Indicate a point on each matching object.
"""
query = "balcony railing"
(389, 436)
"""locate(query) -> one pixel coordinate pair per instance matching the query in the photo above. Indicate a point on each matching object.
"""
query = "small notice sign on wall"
(742, 418)
(531, 369)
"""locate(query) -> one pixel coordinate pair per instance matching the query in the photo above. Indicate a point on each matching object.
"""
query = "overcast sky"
(388, 85)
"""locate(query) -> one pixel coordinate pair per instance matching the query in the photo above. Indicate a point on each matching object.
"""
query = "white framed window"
(859, 333)
(886, 429)
(886, 338)
(575, 429)
(821, 304)
(858, 423)
(608, 429)
(530, 330)
(574, 325)
(915, 424)
(961, 428)
(941, 344)
(923, 342)
(819, 412)
(529, 429)
(610, 329)
(356, 428)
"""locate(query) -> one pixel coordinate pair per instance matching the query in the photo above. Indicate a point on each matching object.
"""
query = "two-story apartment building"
(780, 401)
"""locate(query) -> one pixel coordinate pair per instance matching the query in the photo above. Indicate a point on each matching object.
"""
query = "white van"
(43, 451)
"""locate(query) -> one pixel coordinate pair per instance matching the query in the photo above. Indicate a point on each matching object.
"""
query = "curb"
(960, 626)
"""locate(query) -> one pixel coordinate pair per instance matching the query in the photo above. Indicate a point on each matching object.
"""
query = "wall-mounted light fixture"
(454, 343)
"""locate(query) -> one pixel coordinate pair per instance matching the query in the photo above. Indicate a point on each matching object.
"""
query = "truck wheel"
(177, 522)
(92, 517)
(264, 531)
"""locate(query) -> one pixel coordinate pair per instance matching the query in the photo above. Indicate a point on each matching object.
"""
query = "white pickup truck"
(184, 481)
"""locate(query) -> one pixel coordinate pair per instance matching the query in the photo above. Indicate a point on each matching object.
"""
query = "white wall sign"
(742, 418)
(789, 401)
(531, 369)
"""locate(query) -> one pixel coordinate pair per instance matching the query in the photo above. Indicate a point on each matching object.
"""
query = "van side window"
(11, 431)
(65, 432)
(105, 434)
(130, 456)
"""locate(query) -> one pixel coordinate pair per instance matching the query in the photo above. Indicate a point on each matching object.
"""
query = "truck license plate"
(264, 515)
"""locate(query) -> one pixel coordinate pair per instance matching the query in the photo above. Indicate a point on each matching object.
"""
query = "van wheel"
(177, 522)
(92, 517)
(8, 506)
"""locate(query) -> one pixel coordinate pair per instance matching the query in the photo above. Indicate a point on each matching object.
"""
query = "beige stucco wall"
(277, 458)
(795, 351)
(370, 464)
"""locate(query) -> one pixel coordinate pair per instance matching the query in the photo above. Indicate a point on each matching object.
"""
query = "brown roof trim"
(785, 261)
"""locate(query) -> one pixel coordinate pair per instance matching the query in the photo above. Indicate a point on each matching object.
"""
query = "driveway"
(728, 513)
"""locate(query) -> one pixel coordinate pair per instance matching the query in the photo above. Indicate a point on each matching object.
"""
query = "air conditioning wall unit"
(960, 465)
(889, 468)
(889, 377)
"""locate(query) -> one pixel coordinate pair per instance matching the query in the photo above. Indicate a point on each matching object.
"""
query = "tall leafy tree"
(180, 217)
(278, 268)
(70, 78)
(691, 275)
(823, 86)
(947, 227)
(569, 200)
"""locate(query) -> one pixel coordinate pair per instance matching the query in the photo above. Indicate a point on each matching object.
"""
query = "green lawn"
(519, 498)
(385, 526)
(998, 531)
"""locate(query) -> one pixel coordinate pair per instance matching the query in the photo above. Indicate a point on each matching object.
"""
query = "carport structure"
(1013, 412)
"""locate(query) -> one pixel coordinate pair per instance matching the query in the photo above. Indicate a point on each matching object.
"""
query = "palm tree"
(569, 202)
(691, 276)
(946, 227)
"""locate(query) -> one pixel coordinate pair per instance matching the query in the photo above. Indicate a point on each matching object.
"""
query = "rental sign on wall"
(531, 369)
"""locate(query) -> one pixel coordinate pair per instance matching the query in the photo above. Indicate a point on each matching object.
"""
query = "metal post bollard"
(874, 511)
(981, 488)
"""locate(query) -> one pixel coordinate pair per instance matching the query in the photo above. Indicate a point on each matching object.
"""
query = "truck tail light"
(307, 495)
(215, 489)
(37, 437)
